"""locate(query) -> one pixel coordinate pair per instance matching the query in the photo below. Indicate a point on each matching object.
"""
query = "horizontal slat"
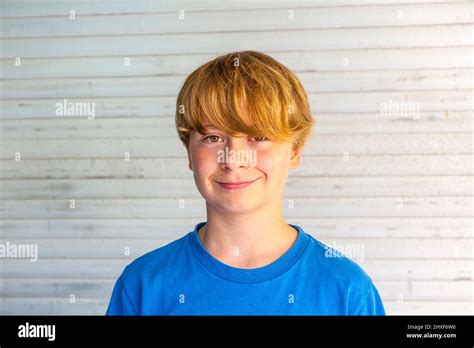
(62, 268)
(87, 248)
(41, 288)
(407, 270)
(239, 20)
(28, 8)
(157, 127)
(355, 165)
(320, 144)
(313, 39)
(429, 308)
(51, 306)
(369, 248)
(366, 249)
(442, 100)
(337, 227)
(295, 187)
(95, 288)
(379, 270)
(338, 60)
(314, 82)
(195, 207)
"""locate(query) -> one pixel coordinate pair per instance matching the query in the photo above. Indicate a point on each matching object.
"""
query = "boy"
(244, 119)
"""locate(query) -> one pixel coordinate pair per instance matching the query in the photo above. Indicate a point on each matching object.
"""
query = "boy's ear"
(190, 164)
(296, 153)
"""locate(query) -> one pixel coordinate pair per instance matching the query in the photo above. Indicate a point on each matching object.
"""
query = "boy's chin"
(244, 208)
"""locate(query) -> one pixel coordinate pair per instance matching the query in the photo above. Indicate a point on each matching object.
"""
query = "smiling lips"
(236, 185)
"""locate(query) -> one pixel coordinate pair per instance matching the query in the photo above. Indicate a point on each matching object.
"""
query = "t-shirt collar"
(255, 275)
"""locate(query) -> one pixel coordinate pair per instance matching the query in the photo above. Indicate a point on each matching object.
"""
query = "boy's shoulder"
(343, 278)
(335, 266)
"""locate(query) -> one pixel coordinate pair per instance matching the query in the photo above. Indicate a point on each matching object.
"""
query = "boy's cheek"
(270, 160)
(201, 159)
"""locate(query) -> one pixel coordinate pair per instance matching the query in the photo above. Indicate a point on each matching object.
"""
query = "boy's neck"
(247, 242)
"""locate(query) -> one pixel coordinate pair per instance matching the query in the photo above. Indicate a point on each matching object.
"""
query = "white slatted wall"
(398, 182)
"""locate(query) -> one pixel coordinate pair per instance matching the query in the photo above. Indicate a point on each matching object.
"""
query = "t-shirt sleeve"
(120, 302)
(371, 304)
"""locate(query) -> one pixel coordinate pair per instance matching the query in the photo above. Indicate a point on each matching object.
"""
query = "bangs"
(238, 93)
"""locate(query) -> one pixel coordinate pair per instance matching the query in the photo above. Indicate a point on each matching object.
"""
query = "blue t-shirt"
(182, 278)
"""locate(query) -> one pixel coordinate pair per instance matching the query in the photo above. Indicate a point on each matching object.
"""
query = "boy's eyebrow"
(211, 126)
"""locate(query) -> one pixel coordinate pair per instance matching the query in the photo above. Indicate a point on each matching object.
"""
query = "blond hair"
(245, 92)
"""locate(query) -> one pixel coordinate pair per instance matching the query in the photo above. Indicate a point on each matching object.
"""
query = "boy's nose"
(236, 154)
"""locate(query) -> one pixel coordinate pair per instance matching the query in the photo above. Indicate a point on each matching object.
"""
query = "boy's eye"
(212, 138)
(215, 139)
(260, 139)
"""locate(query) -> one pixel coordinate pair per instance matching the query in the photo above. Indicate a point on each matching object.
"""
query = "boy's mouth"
(236, 185)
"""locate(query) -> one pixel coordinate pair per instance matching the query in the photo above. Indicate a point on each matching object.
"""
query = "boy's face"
(216, 158)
